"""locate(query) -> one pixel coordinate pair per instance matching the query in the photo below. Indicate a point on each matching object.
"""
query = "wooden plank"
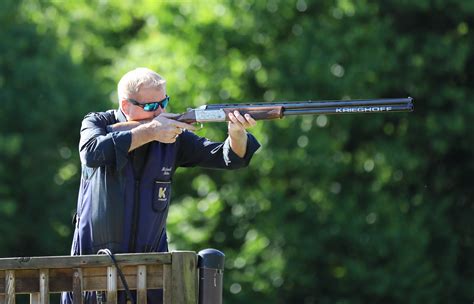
(77, 296)
(93, 278)
(44, 286)
(24, 279)
(83, 261)
(183, 268)
(34, 298)
(61, 279)
(141, 284)
(112, 285)
(2, 286)
(167, 284)
(10, 287)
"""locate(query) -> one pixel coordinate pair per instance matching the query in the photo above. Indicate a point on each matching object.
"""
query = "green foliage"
(44, 96)
(333, 209)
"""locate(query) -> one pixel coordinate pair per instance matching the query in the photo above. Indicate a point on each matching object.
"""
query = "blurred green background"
(363, 208)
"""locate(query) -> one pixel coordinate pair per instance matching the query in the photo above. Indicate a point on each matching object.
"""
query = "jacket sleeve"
(99, 148)
(199, 151)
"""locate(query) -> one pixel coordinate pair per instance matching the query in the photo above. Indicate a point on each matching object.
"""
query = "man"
(128, 159)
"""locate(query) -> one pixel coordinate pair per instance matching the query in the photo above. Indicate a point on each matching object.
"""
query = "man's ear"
(125, 106)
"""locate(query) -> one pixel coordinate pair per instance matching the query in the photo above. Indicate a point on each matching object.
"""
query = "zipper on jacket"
(135, 214)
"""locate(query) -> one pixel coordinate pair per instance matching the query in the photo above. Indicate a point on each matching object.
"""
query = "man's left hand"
(238, 136)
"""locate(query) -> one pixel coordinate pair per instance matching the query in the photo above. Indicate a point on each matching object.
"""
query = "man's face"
(145, 95)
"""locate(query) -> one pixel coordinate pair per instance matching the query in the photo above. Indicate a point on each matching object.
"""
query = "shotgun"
(277, 110)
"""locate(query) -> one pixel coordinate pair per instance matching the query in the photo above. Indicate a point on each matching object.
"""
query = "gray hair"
(133, 81)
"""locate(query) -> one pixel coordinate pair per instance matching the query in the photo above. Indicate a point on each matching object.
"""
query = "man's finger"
(176, 123)
(183, 125)
(240, 118)
(168, 115)
(250, 120)
(245, 120)
(231, 117)
(235, 121)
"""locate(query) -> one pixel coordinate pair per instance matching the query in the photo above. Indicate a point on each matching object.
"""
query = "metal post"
(211, 274)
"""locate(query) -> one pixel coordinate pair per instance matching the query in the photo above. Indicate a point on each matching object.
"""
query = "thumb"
(168, 115)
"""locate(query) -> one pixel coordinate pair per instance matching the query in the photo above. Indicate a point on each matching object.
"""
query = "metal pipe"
(290, 105)
(349, 110)
(211, 274)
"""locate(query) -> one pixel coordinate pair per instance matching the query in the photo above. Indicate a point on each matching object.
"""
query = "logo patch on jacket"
(161, 195)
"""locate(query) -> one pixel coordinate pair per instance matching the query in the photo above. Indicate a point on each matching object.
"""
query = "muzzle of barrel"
(211, 275)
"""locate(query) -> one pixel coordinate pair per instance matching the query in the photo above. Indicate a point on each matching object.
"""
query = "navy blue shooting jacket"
(121, 210)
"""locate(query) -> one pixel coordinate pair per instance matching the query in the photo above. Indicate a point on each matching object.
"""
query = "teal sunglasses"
(151, 106)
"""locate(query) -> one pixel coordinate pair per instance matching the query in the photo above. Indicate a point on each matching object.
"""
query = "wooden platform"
(174, 272)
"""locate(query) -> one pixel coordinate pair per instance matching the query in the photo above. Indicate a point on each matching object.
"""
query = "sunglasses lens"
(151, 106)
(164, 103)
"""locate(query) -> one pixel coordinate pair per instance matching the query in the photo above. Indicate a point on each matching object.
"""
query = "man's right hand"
(162, 128)
(165, 129)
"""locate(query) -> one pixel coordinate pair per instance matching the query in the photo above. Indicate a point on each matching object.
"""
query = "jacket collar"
(119, 116)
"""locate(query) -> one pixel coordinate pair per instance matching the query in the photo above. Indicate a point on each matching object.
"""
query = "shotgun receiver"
(276, 110)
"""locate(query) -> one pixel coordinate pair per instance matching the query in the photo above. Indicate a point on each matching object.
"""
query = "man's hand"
(166, 130)
(162, 128)
(237, 132)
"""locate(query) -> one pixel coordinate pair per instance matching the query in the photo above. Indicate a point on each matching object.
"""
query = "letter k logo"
(162, 193)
